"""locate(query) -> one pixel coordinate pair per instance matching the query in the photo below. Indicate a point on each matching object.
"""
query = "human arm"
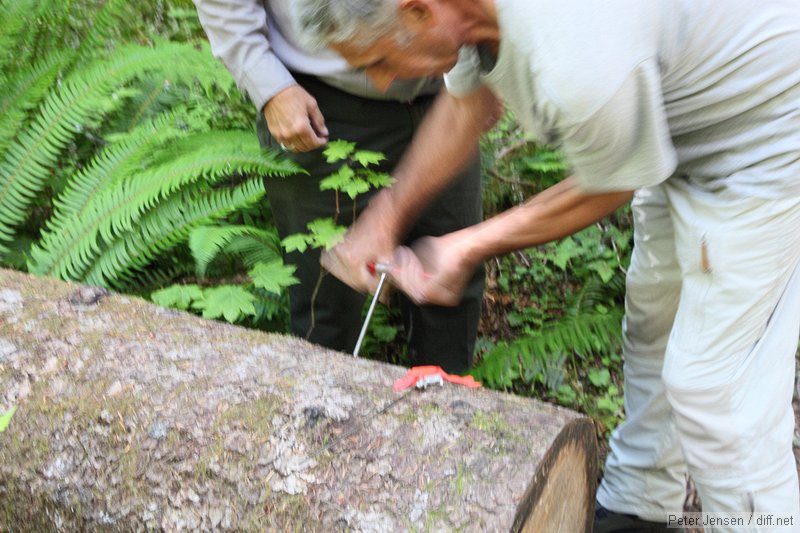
(436, 269)
(445, 142)
(237, 31)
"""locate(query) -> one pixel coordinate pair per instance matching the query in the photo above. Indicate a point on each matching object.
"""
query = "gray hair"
(322, 22)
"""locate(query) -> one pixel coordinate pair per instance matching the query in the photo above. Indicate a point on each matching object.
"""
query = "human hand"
(295, 121)
(434, 270)
(371, 239)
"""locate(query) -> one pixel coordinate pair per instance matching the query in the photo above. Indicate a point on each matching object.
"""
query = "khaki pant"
(710, 335)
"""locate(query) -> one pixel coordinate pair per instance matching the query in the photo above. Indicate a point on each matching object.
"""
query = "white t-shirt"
(637, 91)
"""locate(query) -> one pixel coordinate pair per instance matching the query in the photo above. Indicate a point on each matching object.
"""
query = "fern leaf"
(104, 27)
(64, 113)
(208, 157)
(258, 246)
(168, 225)
(542, 356)
(207, 242)
(104, 172)
(20, 94)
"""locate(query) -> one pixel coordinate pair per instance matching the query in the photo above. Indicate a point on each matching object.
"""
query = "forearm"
(556, 212)
(445, 143)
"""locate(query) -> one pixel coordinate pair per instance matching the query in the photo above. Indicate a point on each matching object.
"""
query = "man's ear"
(416, 14)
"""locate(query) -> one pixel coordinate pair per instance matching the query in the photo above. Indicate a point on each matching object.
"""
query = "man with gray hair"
(691, 108)
(304, 97)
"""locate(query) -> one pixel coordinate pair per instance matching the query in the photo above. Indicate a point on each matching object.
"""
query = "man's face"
(432, 51)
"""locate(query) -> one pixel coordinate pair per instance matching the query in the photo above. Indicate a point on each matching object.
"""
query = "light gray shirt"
(258, 43)
(635, 91)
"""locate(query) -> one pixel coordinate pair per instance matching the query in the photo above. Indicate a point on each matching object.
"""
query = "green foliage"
(178, 296)
(112, 156)
(5, 418)
(273, 276)
(514, 167)
(558, 307)
(353, 177)
(322, 233)
(229, 301)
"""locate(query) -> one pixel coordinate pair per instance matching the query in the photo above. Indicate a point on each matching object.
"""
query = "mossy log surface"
(134, 417)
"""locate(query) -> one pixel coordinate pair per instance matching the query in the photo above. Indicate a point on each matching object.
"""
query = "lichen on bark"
(135, 417)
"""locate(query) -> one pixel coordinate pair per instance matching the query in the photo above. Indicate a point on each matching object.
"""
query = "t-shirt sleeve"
(625, 144)
(464, 77)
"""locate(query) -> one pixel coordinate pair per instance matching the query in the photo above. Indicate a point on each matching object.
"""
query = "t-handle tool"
(383, 269)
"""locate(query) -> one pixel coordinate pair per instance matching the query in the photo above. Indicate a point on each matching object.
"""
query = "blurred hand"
(433, 271)
(371, 239)
(295, 121)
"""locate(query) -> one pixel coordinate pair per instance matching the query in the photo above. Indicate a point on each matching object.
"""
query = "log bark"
(134, 417)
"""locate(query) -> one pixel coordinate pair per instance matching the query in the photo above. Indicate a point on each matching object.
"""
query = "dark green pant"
(443, 336)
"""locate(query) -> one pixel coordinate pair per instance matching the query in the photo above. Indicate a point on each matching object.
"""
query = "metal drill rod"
(375, 297)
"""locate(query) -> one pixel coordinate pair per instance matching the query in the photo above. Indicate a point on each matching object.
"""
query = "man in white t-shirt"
(692, 104)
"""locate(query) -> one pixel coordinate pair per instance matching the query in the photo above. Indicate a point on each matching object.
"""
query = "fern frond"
(168, 225)
(584, 333)
(207, 242)
(119, 160)
(64, 113)
(197, 65)
(208, 157)
(254, 248)
(544, 352)
(21, 93)
(52, 29)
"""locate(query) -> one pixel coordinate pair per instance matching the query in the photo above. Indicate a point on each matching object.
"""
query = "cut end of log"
(561, 495)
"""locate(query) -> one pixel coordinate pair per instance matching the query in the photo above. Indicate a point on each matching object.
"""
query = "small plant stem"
(313, 303)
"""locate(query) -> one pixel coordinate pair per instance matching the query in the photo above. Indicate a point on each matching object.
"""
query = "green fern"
(585, 326)
(23, 92)
(121, 159)
(112, 158)
(13, 30)
(83, 98)
(531, 358)
(211, 156)
(254, 244)
(166, 226)
(24, 33)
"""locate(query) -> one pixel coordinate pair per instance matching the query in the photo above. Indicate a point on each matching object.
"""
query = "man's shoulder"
(581, 52)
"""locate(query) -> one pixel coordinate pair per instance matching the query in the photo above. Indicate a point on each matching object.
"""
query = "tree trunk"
(135, 417)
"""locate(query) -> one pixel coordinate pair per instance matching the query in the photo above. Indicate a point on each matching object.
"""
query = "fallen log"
(133, 417)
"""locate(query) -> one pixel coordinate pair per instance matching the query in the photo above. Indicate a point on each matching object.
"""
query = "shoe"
(606, 521)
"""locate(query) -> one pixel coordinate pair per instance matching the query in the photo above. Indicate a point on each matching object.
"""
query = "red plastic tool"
(417, 373)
